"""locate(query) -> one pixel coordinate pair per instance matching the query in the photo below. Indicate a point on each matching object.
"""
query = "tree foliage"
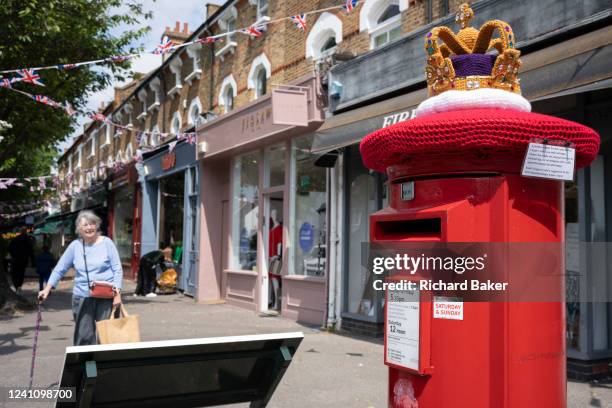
(39, 33)
(36, 33)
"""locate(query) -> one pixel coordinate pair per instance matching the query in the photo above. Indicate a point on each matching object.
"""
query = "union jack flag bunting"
(29, 75)
(254, 31)
(208, 40)
(191, 138)
(98, 117)
(164, 46)
(172, 146)
(6, 83)
(66, 66)
(349, 5)
(46, 100)
(69, 109)
(299, 21)
(119, 58)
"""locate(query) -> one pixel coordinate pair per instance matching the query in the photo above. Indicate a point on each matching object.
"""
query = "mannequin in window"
(275, 250)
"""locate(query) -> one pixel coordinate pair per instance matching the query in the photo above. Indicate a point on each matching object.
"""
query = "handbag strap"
(122, 311)
(85, 259)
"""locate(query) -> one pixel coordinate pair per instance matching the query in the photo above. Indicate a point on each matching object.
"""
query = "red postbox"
(454, 176)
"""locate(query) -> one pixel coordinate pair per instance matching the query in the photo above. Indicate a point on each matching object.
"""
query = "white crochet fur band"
(485, 98)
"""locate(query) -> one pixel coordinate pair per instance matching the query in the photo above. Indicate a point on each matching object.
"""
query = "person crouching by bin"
(150, 264)
(44, 265)
(97, 281)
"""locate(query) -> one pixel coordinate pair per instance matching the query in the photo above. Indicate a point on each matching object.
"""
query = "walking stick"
(38, 320)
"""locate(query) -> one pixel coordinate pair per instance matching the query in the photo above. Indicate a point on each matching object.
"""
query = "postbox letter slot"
(400, 230)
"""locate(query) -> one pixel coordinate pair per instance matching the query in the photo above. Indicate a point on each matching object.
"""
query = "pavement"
(329, 370)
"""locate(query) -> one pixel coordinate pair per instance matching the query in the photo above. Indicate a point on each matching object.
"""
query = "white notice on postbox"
(403, 328)
(549, 162)
(447, 308)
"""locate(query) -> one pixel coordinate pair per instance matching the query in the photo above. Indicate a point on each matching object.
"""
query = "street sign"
(179, 373)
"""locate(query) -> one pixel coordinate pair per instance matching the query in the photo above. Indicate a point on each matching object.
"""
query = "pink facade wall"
(247, 129)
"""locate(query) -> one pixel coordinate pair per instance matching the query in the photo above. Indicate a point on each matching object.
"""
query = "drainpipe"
(212, 80)
(429, 11)
(332, 270)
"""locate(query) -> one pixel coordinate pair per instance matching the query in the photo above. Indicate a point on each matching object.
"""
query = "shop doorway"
(273, 244)
(171, 220)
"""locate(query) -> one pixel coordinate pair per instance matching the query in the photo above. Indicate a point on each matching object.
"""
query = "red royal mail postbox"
(455, 176)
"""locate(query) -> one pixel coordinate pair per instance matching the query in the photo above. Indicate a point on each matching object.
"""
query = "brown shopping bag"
(126, 329)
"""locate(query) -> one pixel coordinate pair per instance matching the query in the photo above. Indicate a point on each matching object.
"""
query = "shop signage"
(290, 106)
(398, 117)
(447, 308)
(255, 121)
(402, 328)
(169, 161)
(306, 237)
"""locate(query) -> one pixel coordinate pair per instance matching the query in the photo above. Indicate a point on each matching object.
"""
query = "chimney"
(176, 35)
(211, 9)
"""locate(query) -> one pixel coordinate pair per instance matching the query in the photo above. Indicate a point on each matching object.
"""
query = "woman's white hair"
(90, 217)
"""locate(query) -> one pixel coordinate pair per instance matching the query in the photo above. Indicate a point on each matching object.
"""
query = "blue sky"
(165, 13)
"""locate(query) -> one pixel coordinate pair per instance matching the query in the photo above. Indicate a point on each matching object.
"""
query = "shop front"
(170, 210)
(568, 76)
(264, 204)
(124, 217)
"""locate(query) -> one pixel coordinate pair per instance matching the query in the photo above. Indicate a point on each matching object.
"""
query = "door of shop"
(190, 265)
(271, 283)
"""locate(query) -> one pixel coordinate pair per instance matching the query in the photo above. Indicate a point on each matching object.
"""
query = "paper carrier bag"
(125, 329)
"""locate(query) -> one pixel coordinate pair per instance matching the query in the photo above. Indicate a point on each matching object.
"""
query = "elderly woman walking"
(97, 281)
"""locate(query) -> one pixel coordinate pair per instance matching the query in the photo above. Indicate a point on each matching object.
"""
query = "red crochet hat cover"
(459, 131)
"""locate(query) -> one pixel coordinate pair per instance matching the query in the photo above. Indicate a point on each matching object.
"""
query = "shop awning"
(51, 227)
(350, 127)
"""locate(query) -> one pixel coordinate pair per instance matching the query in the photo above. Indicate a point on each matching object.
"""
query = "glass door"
(272, 233)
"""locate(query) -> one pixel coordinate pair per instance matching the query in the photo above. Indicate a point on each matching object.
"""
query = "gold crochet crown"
(462, 63)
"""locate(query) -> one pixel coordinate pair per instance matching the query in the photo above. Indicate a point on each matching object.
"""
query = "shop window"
(382, 20)
(245, 212)
(228, 93)
(123, 223)
(365, 193)
(324, 36)
(275, 166)
(172, 203)
(260, 71)
(308, 212)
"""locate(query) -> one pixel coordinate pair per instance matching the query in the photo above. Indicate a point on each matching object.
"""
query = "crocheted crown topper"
(461, 62)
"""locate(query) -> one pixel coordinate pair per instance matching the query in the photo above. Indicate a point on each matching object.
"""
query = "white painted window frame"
(327, 25)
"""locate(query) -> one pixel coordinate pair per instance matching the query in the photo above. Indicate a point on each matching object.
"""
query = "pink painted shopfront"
(263, 206)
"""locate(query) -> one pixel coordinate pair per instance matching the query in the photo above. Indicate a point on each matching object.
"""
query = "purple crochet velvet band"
(473, 64)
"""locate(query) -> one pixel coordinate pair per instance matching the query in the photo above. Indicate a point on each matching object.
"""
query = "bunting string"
(99, 117)
(166, 46)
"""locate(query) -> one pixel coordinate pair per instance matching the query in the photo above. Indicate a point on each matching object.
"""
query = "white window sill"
(175, 90)
(229, 47)
(142, 116)
(154, 106)
(195, 74)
